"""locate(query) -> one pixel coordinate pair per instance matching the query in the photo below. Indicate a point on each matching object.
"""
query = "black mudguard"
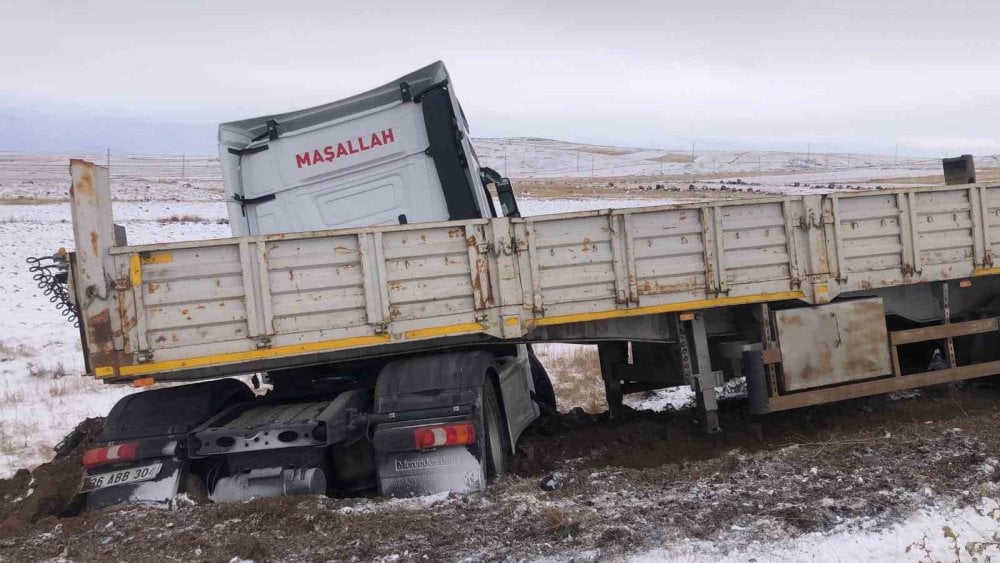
(172, 411)
(428, 382)
(437, 389)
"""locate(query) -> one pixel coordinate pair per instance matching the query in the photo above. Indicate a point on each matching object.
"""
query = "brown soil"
(625, 485)
(50, 490)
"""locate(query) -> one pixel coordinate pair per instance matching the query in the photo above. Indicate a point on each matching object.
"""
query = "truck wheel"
(495, 448)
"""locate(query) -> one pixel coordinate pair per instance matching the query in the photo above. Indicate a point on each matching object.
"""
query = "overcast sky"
(864, 76)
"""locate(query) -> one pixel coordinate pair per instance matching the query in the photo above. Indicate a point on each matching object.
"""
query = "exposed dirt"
(50, 490)
(616, 487)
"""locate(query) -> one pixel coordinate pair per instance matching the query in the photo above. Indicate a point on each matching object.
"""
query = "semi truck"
(384, 290)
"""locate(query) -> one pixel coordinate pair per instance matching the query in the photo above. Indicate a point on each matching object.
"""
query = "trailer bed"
(193, 310)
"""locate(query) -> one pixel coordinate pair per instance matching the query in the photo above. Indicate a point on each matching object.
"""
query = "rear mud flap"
(416, 473)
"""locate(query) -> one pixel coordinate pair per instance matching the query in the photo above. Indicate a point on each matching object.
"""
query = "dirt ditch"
(585, 486)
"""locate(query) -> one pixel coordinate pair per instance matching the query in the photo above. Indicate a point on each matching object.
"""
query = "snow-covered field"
(43, 396)
(546, 158)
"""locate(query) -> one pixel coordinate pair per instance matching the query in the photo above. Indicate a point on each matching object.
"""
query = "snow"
(661, 399)
(850, 542)
(546, 158)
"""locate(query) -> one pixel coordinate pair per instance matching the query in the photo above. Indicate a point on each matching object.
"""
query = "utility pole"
(809, 150)
(591, 166)
(692, 150)
(577, 161)
(183, 167)
(107, 159)
(896, 160)
(505, 162)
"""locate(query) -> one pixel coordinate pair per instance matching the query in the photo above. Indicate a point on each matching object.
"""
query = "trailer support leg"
(612, 354)
(699, 374)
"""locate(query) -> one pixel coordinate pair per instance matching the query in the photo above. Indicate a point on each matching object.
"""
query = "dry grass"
(57, 371)
(30, 200)
(60, 389)
(16, 351)
(10, 397)
(991, 175)
(673, 157)
(575, 371)
(18, 438)
(607, 151)
(184, 219)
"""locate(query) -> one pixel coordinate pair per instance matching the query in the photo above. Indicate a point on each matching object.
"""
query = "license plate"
(120, 477)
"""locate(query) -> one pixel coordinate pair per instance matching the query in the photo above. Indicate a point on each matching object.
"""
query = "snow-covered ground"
(546, 158)
(939, 532)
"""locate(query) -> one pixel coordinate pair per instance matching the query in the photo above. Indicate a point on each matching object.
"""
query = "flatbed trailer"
(677, 282)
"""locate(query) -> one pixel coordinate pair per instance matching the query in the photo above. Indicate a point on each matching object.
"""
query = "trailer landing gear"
(692, 341)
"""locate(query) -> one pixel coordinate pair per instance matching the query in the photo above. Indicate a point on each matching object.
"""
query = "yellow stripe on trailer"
(232, 357)
(670, 308)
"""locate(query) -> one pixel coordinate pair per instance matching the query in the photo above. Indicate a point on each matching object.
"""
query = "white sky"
(156, 77)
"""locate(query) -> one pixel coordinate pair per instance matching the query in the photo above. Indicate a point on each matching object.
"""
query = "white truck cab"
(397, 154)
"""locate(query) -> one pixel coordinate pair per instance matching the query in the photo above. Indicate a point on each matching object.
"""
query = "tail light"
(458, 434)
(110, 454)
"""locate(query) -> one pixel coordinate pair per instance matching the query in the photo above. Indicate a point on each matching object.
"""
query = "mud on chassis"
(412, 425)
(792, 356)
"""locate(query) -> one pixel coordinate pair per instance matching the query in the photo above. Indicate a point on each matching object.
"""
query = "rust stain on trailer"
(481, 286)
(93, 242)
(454, 233)
(85, 183)
(647, 287)
(152, 288)
(99, 329)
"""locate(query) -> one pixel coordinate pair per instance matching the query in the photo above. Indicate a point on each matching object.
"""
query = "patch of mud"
(626, 485)
(50, 490)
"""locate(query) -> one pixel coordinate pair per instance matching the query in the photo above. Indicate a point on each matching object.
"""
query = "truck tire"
(495, 446)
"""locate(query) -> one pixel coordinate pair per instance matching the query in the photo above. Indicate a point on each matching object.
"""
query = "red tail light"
(110, 454)
(458, 434)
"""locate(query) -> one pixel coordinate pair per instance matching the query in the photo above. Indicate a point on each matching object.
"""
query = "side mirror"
(508, 204)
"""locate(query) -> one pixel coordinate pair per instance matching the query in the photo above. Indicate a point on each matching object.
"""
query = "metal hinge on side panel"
(144, 356)
(263, 341)
(484, 247)
(518, 245)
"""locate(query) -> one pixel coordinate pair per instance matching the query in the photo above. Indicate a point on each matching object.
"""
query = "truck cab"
(396, 154)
